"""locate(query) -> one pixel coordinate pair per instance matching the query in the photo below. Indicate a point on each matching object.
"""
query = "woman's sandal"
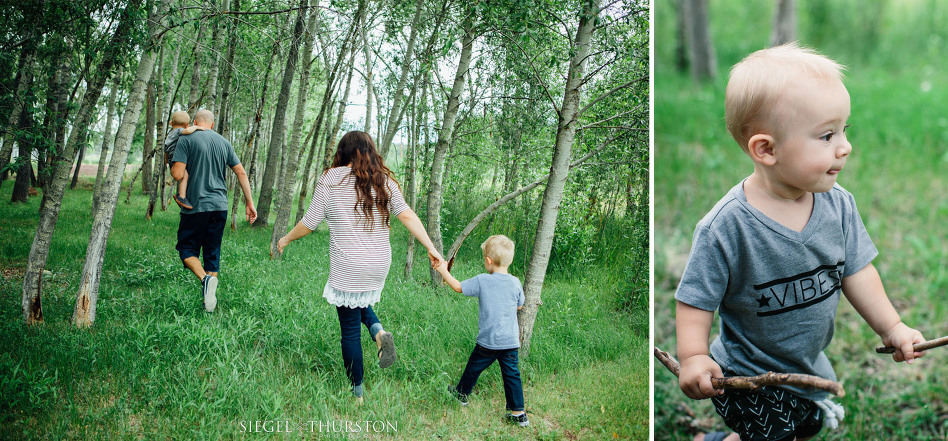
(387, 354)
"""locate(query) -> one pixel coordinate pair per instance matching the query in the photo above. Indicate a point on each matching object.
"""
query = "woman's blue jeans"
(349, 321)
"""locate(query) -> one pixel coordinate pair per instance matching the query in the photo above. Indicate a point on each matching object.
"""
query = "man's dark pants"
(202, 232)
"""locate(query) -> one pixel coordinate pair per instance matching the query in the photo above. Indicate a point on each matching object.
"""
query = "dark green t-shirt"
(207, 157)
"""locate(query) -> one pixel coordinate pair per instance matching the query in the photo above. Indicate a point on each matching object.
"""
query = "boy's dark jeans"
(349, 321)
(481, 358)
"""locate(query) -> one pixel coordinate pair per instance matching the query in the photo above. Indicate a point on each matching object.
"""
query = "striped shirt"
(359, 254)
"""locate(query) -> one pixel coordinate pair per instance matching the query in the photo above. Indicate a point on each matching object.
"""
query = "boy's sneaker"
(459, 396)
(183, 202)
(209, 287)
(517, 419)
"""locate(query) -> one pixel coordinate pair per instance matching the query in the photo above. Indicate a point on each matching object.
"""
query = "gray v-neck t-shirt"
(776, 289)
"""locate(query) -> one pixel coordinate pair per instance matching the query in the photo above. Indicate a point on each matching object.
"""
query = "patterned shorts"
(768, 413)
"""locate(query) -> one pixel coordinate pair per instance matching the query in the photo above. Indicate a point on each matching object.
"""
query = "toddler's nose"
(844, 150)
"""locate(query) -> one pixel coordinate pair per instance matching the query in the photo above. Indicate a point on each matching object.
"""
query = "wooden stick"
(924, 346)
(768, 379)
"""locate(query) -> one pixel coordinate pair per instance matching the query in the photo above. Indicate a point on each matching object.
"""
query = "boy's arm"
(442, 268)
(865, 292)
(693, 327)
(191, 129)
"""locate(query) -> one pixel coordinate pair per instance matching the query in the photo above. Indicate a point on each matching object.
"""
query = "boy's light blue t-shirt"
(498, 296)
(775, 289)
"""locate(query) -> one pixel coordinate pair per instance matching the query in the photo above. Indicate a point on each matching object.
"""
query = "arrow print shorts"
(768, 413)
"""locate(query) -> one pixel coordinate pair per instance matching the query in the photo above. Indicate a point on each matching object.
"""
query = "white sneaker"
(210, 290)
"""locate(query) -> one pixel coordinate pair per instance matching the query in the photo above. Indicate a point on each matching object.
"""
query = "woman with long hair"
(357, 197)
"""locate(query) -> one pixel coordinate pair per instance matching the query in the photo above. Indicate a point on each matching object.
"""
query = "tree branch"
(596, 124)
(536, 74)
(768, 379)
(924, 346)
(453, 251)
(614, 90)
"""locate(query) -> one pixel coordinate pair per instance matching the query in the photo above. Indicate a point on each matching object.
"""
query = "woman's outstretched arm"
(297, 232)
(410, 220)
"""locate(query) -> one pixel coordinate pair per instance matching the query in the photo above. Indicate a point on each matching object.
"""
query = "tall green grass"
(156, 366)
(896, 173)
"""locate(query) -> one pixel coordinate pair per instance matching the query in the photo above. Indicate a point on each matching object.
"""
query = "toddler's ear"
(760, 147)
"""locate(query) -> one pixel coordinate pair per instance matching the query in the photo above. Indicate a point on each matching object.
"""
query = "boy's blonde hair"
(499, 248)
(758, 81)
(180, 118)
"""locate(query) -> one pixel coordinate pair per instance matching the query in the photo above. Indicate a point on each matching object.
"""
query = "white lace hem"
(353, 300)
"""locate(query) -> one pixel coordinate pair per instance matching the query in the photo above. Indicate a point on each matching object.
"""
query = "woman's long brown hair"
(357, 150)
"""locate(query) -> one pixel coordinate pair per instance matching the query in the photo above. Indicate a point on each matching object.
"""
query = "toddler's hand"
(695, 377)
(902, 338)
(282, 243)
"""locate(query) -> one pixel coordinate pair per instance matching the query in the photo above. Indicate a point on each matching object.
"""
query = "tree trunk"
(254, 139)
(194, 98)
(155, 106)
(288, 181)
(84, 312)
(681, 28)
(369, 86)
(21, 187)
(39, 251)
(25, 77)
(703, 63)
(394, 117)
(334, 129)
(559, 172)
(324, 109)
(214, 68)
(411, 176)
(149, 151)
(49, 122)
(275, 147)
(222, 115)
(785, 23)
(106, 142)
(445, 138)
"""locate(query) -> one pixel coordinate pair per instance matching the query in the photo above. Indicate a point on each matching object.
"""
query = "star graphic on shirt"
(763, 301)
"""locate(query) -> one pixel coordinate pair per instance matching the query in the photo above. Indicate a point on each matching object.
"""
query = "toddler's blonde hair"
(757, 82)
(499, 248)
(180, 119)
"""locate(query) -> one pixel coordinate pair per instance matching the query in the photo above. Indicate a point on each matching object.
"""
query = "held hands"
(903, 338)
(435, 257)
(695, 377)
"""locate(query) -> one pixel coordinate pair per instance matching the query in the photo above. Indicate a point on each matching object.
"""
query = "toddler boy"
(773, 255)
(179, 126)
(500, 296)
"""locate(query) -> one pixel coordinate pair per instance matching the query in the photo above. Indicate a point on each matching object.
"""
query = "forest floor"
(267, 362)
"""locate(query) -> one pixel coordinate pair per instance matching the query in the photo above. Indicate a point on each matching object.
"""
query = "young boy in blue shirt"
(500, 296)
(773, 255)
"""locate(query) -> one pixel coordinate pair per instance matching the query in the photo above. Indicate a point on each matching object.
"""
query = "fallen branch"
(768, 379)
(923, 346)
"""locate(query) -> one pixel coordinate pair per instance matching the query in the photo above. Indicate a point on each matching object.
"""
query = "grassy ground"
(155, 365)
(897, 174)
